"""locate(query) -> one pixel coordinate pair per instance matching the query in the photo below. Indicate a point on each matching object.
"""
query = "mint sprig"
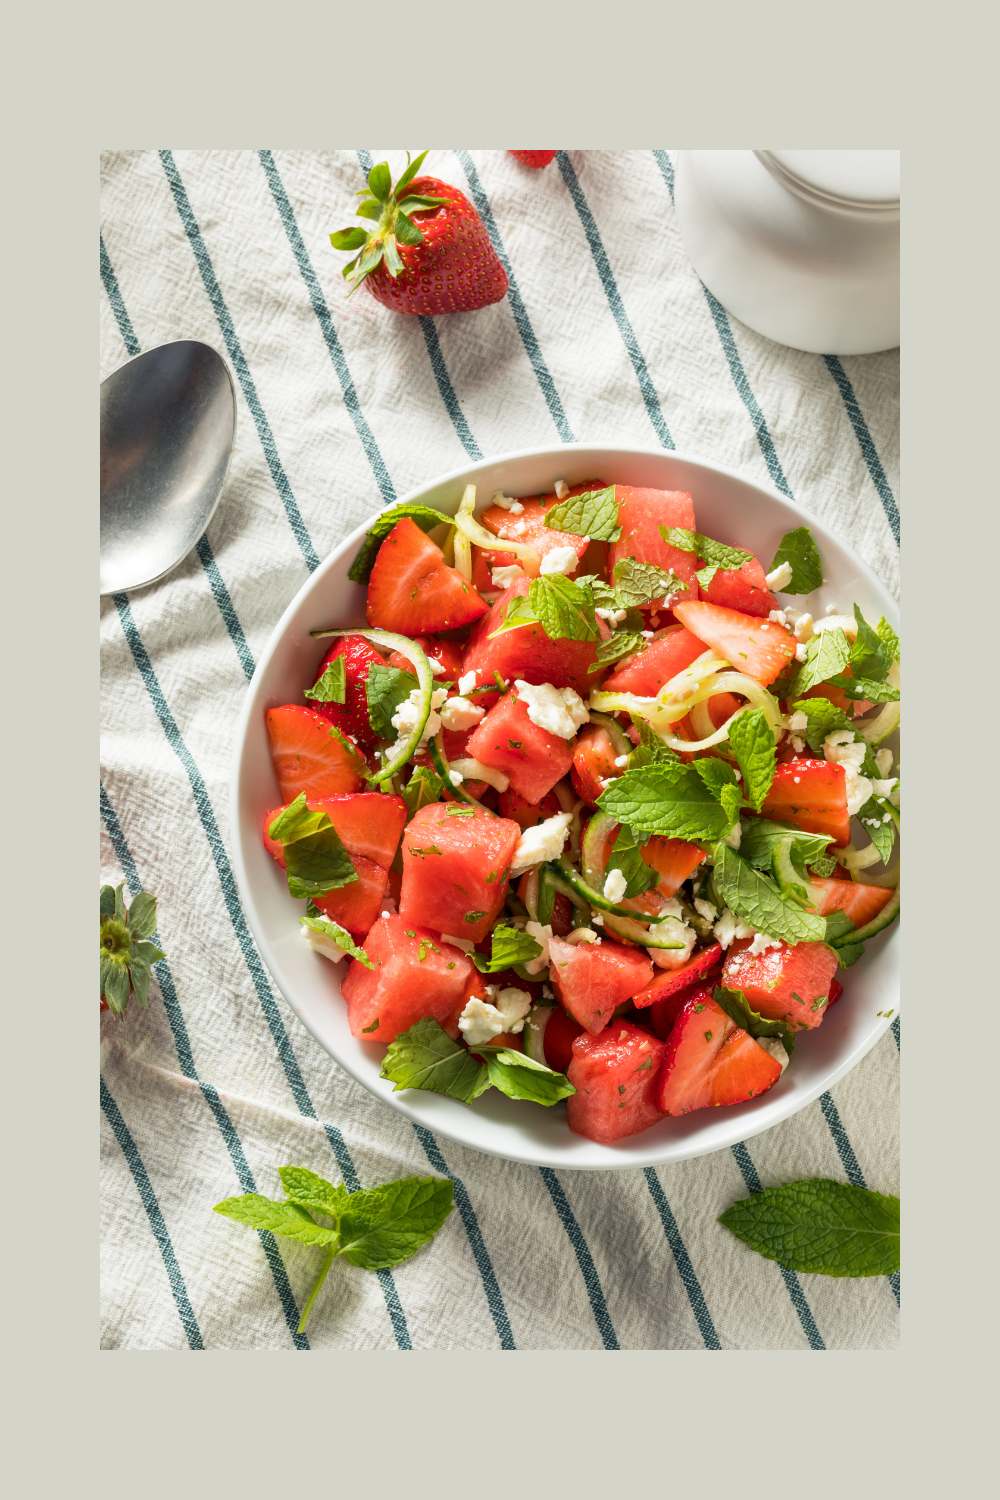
(799, 550)
(717, 554)
(331, 687)
(672, 799)
(564, 609)
(620, 643)
(752, 897)
(751, 739)
(637, 584)
(316, 861)
(593, 514)
(385, 689)
(374, 1228)
(425, 1057)
(509, 946)
(827, 654)
(816, 1225)
(823, 718)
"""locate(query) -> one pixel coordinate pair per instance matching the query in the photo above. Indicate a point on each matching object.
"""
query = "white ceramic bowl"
(727, 507)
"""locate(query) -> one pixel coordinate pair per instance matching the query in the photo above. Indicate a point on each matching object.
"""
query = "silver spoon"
(168, 422)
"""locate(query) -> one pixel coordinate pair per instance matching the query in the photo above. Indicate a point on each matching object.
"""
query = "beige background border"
(473, 1423)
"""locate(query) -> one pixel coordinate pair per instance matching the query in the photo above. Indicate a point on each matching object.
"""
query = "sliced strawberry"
(674, 860)
(784, 983)
(352, 715)
(761, 648)
(413, 590)
(561, 1031)
(811, 795)
(448, 655)
(370, 824)
(526, 814)
(615, 1077)
(675, 981)
(668, 653)
(527, 527)
(710, 1061)
(310, 754)
(594, 757)
(744, 588)
(836, 990)
(861, 902)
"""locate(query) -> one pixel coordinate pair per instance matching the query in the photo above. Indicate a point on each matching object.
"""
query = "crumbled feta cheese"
(474, 770)
(843, 749)
(561, 488)
(678, 932)
(800, 651)
(846, 623)
(705, 909)
(437, 667)
(460, 713)
(455, 777)
(507, 502)
(647, 635)
(503, 577)
(583, 935)
(480, 1022)
(774, 1048)
(615, 885)
(798, 744)
(734, 836)
(883, 760)
(542, 936)
(612, 616)
(620, 761)
(728, 929)
(761, 943)
(597, 918)
(466, 944)
(779, 577)
(882, 786)
(466, 683)
(797, 722)
(778, 616)
(542, 842)
(561, 711)
(559, 560)
(407, 715)
(803, 627)
(320, 943)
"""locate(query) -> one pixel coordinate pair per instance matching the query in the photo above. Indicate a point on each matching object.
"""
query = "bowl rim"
(744, 1127)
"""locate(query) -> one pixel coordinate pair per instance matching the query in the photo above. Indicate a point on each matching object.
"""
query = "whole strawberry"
(428, 251)
(534, 158)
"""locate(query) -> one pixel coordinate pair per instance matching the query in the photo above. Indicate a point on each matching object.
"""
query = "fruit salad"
(593, 809)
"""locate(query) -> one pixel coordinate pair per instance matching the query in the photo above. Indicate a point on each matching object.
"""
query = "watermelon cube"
(744, 588)
(531, 758)
(641, 513)
(593, 979)
(528, 652)
(785, 983)
(614, 1075)
(811, 795)
(660, 659)
(415, 977)
(455, 864)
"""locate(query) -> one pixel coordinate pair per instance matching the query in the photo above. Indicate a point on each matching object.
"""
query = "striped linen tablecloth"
(606, 334)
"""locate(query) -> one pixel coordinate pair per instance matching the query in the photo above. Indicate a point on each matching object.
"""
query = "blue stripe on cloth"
(494, 1296)
(333, 344)
(185, 1058)
(205, 554)
(792, 1283)
(157, 1223)
(650, 400)
(895, 1032)
(517, 307)
(865, 443)
(251, 958)
(692, 1285)
(249, 389)
(588, 1270)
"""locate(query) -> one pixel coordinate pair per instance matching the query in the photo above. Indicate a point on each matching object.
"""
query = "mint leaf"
(421, 515)
(338, 935)
(866, 687)
(626, 855)
(425, 1057)
(705, 575)
(593, 514)
(332, 686)
(823, 866)
(519, 1077)
(871, 655)
(316, 861)
(564, 610)
(307, 1190)
(757, 901)
(639, 583)
(824, 717)
(761, 838)
(602, 593)
(882, 835)
(510, 946)
(751, 740)
(385, 689)
(827, 654)
(888, 637)
(799, 550)
(382, 1226)
(738, 1009)
(297, 821)
(621, 643)
(286, 1219)
(423, 787)
(650, 748)
(710, 551)
(830, 1228)
(668, 798)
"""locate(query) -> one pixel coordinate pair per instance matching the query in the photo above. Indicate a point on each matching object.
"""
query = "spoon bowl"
(168, 423)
